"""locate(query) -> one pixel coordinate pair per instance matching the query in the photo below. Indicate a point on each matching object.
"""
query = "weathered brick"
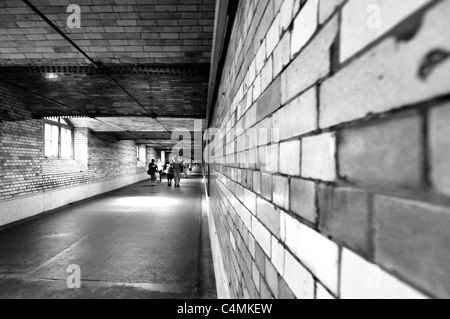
(371, 85)
(440, 145)
(364, 21)
(388, 153)
(269, 101)
(344, 215)
(266, 186)
(412, 238)
(310, 65)
(303, 199)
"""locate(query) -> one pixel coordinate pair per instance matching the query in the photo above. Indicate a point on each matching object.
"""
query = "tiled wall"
(349, 197)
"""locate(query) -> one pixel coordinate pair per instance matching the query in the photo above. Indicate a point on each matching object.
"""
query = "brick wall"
(25, 171)
(152, 154)
(20, 147)
(350, 195)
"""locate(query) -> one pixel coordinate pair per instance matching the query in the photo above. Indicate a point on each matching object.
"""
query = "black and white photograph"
(224, 155)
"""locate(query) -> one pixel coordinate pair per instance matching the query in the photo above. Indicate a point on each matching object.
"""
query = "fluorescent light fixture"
(51, 76)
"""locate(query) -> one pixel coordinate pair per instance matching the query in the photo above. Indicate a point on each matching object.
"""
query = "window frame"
(60, 126)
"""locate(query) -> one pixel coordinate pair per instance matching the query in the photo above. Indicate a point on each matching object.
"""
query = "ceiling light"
(51, 76)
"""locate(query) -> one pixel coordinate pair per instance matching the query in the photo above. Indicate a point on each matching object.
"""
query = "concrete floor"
(137, 242)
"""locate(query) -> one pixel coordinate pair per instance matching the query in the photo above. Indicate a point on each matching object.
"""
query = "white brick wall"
(267, 74)
(257, 88)
(319, 254)
(269, 155)
(326, 103)
(245, 215)
(269, 216)
(298, 117)
(273, 36)
(363, 280)
(281, 55)
(281, 191)
(318, 157)
(250, 200)
(262, 236)
(278, 253)
(305, 24)
(261, 57)
(298, 278)
(359, 21)
(289, 158)
(311, 64)
(372, 85)
(286, 14)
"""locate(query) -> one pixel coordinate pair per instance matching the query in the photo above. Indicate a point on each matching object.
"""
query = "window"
(140, 153)
(58, 139)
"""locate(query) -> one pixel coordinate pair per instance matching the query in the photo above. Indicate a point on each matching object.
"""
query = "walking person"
(160, 170)
(178, 168)
(185, 168)
(170, 173)
(152, 170)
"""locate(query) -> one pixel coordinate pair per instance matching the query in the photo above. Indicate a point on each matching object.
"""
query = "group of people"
(173, 170)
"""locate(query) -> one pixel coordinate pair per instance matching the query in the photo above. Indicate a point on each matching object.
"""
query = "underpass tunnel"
(203, 149)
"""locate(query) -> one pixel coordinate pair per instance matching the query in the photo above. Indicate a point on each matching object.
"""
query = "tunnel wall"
(99, 160)
(152, 154)
(349, 196)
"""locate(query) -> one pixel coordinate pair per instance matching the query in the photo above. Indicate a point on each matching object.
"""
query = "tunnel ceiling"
(146, 130)
(130, 58)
